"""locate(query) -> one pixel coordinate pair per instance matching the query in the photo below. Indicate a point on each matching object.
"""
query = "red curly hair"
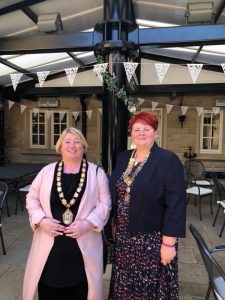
(145, 118)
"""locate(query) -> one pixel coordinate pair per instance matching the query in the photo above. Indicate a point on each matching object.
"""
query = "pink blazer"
(95, 206)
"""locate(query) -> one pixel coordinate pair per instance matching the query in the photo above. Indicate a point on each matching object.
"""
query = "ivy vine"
(111, 81)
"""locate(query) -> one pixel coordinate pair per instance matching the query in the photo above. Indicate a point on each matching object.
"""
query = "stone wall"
(174, 137)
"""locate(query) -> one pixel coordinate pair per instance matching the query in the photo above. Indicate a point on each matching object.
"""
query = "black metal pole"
(2, 132)
(118, 20)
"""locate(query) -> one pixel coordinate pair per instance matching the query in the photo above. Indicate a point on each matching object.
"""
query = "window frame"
(211, 151)
(52, 145)
(37, 146)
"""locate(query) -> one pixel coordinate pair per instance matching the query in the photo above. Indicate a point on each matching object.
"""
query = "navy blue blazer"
(157, 197)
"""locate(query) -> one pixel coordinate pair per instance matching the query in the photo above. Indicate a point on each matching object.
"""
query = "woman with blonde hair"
(68, 205)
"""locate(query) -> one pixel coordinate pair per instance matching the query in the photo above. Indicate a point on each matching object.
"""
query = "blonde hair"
(74, 131)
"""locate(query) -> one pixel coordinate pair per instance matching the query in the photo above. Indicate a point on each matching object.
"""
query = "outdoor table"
(14, 174)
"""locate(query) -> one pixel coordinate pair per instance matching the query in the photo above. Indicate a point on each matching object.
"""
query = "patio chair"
(3, 193)
(199, 192)
(220, 191)
(215, 274)
(197, 169)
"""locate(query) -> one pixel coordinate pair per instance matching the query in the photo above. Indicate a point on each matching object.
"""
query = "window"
(211, 132)
(59, 123)
(38, 130)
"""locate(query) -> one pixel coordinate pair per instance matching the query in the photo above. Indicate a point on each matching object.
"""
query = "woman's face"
(143, 135)
(71, 147)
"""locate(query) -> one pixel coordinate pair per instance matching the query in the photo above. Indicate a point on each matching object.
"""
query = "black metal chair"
(3, 194)
(215, 274)
(197, 169)
(196, 190)
(220, 191)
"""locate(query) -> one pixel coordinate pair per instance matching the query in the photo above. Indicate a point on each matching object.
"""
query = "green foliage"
(112, 85)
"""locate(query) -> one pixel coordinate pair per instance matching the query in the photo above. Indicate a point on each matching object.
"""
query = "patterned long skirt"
(137, 272)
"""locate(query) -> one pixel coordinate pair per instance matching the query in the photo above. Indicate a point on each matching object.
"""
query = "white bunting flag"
(100, 110)
(75, 115)
(71, 74)
(10, 104)
(22, 108)
(161, 70)
(141, 101)
(200, 110)
(184, 109)
(35, 111)
(154, 105)
(194, 70)
(48, 114)
(223, 67)
(130, 68)
(89, 113)
(168, 108)
(15, 78)
(61, 115)
(99, 69)
(216, 110)
(42, 76)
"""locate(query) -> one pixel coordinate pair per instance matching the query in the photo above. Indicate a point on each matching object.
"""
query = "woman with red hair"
(149, 209)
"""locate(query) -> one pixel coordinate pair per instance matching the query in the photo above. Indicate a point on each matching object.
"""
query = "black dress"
(65, 265)
(137, 272)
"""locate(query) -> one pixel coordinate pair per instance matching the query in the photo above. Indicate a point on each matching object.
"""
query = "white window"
(38, 129)
(58, 124)
(211, 132)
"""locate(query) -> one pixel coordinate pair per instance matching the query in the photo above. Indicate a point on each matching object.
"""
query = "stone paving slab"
(193, 280)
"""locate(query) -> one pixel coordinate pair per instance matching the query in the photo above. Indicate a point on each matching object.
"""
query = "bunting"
(10, 104)
(42, 76)
(194, 70)
(71, 74)
(75, 115)
(216, 110)
(200, 111)
(15, 78)
(89, 114)
(161, 70)
(22, 108)
(99, 69)
(184, 109)
(130, 68)
(154, 105)
(168, 108)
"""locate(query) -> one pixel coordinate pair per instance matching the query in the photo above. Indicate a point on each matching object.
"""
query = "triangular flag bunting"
(10, 104)
(99, 69)
(141, 101)
(15, 78)
(184, 109)
(161, 70)
(100, 110)
(42, 76)
(223, 67)
(89, 113)
(61, 115)
(75, 115)
(200, 110)
(48, 114)
(194, 70)
(130, 68)
(22, 108)
(216, 110)
(35, 111)
(168, 108)
(71, 74)
(154, 105)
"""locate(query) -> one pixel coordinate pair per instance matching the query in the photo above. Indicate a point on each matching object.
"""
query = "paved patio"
(192, 274)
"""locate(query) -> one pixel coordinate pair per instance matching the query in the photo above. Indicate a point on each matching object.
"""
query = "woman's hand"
(78, 228)
(167, 254)
(52, 226)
